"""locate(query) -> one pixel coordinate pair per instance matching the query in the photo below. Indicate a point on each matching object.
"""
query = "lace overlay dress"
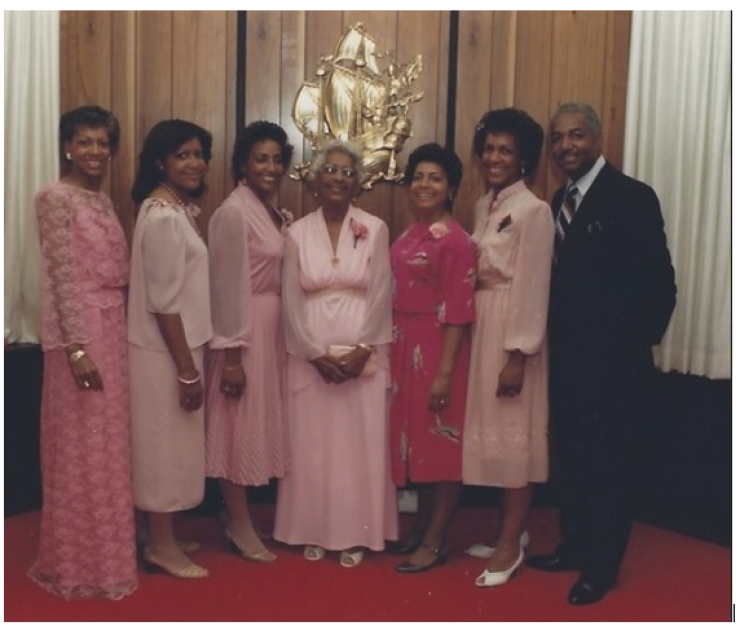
(87, 546)
(505, 439)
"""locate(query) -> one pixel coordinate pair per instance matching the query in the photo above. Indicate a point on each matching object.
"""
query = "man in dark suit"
(612, 295)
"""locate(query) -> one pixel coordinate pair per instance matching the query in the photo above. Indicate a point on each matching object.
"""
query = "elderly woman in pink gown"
(505, 439)
(86, 546)
(338, 494)
(246, 423)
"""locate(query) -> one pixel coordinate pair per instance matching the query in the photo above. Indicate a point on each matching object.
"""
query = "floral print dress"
(434, 274)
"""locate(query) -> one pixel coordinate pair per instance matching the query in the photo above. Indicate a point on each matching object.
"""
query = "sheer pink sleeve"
(231, 278)
(299, 338)
(530, 287)
(61, 303)
(377, 326)
(163, 260)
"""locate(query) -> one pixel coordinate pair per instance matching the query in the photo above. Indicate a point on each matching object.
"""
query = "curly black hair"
(90, 116)
(528, 133)
(165, 138)
(261, 130)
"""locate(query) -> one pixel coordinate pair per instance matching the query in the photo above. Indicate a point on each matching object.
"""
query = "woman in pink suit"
(87, 546)
(505, 442)
(169, 326)
(433, 306)
(246, 423)
(338, 494)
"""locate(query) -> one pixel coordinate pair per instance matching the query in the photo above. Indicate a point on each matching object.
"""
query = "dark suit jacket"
(612, 290)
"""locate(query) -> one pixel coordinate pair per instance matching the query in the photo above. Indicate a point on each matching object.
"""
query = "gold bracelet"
(184, 381)
(76, 356)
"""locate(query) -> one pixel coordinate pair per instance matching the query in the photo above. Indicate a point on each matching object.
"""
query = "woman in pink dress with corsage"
(433, 306)
(246, 422)
(86, 546)
(169, 326)
(505, 442)
(338, 494)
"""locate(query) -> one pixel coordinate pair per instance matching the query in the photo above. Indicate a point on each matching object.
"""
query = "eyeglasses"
(329, 169)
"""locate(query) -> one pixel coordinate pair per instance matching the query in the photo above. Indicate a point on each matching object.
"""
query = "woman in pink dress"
(87, 546)
(433, 306)
(169, 326)
(505, 442)
(338, 494)
(246, 423)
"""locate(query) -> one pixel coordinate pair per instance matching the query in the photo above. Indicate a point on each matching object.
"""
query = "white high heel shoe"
(483, 551)
(494, 579)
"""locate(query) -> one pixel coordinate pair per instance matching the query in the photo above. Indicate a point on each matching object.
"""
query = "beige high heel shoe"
(258, 556)
(154, 566)
(494, 579)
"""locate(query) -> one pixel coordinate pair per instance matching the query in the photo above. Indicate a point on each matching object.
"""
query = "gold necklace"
(185, 208)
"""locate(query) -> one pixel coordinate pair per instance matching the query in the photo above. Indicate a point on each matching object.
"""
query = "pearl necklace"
(185, 208)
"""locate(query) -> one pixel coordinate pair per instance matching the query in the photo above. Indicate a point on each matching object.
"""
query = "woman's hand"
(330, 369)
(511, 378)
(354, 362)
(191, 391)
(439, 394)
(233, 381)
(85, 372)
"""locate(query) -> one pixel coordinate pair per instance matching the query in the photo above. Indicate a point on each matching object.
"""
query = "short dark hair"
(89, 116)
(528, 134)
(434, 153)
(165, 138)
(261, 130)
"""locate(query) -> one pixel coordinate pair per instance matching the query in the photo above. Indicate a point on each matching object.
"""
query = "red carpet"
(665, 577)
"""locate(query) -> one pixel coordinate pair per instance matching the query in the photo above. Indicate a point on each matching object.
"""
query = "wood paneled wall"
(150, 65)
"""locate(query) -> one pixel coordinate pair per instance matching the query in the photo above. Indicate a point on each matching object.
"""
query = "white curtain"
(31, 157)
(677, 139)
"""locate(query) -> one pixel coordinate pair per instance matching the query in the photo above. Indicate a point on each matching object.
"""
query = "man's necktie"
(567, 211)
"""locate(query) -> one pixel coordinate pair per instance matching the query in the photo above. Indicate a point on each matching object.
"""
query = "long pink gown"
(169, 274)
(505, 441)
(434, 285)
(338, 493)
(87, 546)
(246, 439)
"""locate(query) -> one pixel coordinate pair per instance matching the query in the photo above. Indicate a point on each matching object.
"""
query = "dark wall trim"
(241, 69)
(452, 83)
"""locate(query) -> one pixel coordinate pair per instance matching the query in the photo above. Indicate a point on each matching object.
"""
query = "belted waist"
(345, 291)
(492, 284)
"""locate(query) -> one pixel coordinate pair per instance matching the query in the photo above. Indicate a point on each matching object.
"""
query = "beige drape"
(677, 139)
(31, 157)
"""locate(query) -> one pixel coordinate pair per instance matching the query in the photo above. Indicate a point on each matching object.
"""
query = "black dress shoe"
(586, 592)
(403, 547)
(555, 562)
(440, 556)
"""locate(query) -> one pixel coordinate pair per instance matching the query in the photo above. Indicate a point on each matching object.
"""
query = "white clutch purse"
(371, 365)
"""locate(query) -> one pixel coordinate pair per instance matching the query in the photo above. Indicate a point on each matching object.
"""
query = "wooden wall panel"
(152, 65)
(552, 57)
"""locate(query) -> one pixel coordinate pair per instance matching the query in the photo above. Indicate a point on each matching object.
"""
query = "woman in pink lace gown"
(169, 325)
(338, 494)
(87, 546)
(505, 441)
(246, 422)
(433, 307)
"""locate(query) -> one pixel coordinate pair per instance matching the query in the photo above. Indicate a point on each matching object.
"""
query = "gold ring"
(85, 384)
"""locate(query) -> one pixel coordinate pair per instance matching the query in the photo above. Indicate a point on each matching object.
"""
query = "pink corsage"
(359, 230)
(288, 218)
(439, 230)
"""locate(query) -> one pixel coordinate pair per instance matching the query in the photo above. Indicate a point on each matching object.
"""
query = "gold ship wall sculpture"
(354, 100)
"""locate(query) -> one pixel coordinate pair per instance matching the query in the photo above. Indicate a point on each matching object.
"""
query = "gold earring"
(68, 156)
